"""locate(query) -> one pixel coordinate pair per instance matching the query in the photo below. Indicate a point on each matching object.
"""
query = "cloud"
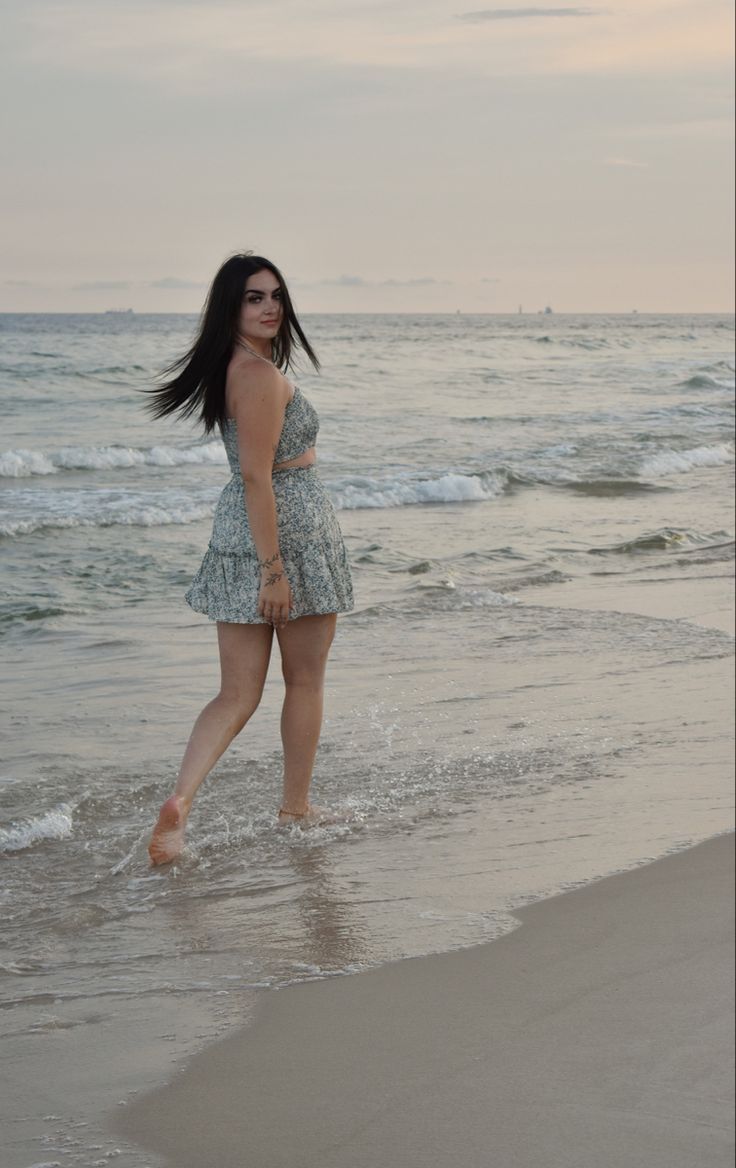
(413, 283)
(166, 284)
(346, 281)
(521, 13)
(625, 162)
(173, 283)
(102, 286)
(328, 49)
(714, 129)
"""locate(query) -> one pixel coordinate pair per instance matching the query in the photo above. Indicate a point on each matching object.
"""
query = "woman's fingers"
(275, 607)
(275, 616)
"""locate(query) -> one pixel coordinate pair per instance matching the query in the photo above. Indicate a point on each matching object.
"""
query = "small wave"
(19, 611)
(665, 537)
(716, 553)
(23, 463)
(51, 825)
(552, 576)
(495, 419)
(447, 594)
(144, 515)
(605, 487)
(708, 381)
(437, 596)
(699, 381)
(403, 491)
(35, 509)
(107, 374)
(586, 343)
(680, 461)
(118, 369)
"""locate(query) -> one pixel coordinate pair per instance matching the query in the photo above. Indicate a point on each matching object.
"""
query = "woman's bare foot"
(312, 817)
(167, 840)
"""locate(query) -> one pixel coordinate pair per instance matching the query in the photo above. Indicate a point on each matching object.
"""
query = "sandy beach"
(599, 1032)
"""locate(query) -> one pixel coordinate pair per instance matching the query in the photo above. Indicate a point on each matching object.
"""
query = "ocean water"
(494, 738)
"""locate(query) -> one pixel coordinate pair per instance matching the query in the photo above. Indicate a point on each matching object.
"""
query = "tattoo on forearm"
(270, 561)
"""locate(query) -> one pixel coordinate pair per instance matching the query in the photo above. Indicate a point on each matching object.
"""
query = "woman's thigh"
(245, 651)
(305, 644)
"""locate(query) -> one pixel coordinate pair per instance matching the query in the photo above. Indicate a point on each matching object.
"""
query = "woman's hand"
(275, 601)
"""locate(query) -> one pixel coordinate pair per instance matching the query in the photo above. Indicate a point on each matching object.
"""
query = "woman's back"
(298, 434)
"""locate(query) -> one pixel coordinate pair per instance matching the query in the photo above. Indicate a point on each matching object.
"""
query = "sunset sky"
(388, 156)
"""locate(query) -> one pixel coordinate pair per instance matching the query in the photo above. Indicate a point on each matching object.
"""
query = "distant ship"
(547, 310)
(118, 312)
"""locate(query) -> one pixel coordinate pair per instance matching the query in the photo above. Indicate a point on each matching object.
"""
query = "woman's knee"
(304, 675)
(238, 708)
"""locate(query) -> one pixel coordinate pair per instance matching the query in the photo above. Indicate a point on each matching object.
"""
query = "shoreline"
(597, 1032)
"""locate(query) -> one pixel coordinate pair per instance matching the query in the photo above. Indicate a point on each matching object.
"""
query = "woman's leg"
(305, 644)
(245, 651)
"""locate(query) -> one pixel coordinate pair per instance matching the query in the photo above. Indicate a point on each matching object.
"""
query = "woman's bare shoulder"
(251, 381)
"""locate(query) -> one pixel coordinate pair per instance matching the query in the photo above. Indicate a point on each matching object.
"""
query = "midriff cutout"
(308, 458)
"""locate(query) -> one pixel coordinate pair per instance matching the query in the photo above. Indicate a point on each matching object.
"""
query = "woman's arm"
(259, 400)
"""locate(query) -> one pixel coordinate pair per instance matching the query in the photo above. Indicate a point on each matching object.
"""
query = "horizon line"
(127, 312)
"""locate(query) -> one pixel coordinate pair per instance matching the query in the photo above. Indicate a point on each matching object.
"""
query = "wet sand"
(705, 598)
(599, 1032)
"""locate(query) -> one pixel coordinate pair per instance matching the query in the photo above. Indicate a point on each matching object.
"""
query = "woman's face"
(262, 311)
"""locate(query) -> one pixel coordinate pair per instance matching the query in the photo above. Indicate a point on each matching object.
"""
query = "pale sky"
(425, 156)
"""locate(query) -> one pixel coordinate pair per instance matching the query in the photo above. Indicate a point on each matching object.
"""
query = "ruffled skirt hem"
(227, 585)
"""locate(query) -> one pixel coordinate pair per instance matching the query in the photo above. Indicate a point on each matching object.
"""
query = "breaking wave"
(24, 463)
(404, 490)
(38, 510)
(680, 461)
(50, 825)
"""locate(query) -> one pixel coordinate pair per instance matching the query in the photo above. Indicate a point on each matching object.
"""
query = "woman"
(276, 560)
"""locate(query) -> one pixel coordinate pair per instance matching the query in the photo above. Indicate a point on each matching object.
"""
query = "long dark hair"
(198, 381)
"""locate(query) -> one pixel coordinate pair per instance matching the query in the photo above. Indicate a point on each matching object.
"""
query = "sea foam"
(50, 825)
(22, 463)
(680, 461)
(35, 509)
(133, 516)
(403, 490)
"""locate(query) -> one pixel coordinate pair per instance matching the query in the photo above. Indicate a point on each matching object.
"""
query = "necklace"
(251, 351)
